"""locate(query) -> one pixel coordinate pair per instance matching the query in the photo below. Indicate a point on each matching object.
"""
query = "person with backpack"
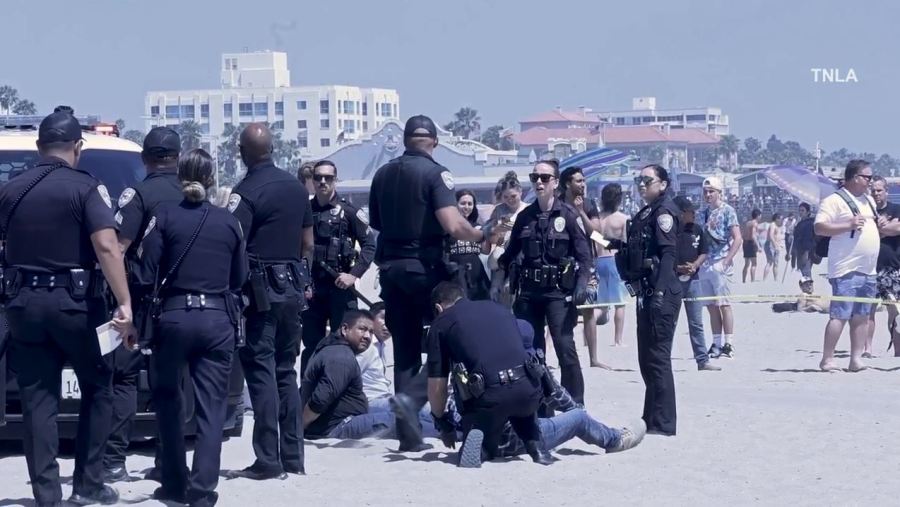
(847, 221)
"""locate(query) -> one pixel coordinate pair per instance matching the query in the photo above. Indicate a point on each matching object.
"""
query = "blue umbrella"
(800, 182)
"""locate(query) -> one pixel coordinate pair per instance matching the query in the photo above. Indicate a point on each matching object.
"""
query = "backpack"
(822, 242)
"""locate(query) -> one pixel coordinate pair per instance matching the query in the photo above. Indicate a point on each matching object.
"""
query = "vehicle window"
(116, 169)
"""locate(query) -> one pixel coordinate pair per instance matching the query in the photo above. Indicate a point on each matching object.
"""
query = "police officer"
(337, 227)
(551, 237)
(274, 210)
(58, 224)
(412, 206)
(197, 251)
(135, 209)
(648, 265)
(502, 384)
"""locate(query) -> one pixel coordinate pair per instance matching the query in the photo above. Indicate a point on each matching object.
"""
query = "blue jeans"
(559, 429)
(854, 284)
(694, 312)
(380, 422)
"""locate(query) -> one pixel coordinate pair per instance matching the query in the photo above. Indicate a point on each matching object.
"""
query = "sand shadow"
(896, 368)
(794, 370)
(428, 457)
(576, 452)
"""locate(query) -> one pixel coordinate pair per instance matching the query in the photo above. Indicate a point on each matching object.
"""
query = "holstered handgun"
(567, 274)
(259, 289)
(235, 306)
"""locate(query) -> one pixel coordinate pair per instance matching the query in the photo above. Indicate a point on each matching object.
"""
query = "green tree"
(24, 107)
(190, 133)
(229, 155)
(134, 135)
(491, 136)
(120, 124)
(885, 165)
(8, 98)
(286, 153)
(729, 146)
(465, 124)
(656, 154)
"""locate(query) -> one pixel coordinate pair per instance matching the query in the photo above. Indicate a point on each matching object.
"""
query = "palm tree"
(190, 133)
(229, 154)
(135, 136)
(729, 146)
(466, 123)
(8, 98)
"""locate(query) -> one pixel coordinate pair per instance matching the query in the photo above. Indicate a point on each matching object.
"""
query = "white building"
(644, 112)
(256, 87)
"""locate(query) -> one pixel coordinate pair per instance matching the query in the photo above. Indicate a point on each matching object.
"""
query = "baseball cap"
(684, 204)
(59, 127)
(714, 183)
(161, 141)
(420, 126)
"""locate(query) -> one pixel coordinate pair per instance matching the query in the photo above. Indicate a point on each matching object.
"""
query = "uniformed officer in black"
(551, 238)
(198, 317)
(135, 209)
(58, 223)
(338, 227)
(648, 264)
(274, 210)
(510, 392)
(413, 208)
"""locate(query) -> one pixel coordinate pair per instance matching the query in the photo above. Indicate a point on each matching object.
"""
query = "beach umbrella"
(802, 183)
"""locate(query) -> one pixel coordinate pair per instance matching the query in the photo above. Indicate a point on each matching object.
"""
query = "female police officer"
(551, 238)
(647, 263)
(197, 252)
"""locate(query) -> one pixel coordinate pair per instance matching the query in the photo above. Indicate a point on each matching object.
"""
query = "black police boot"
(407, 419)
(115, 473)
(537, 452)
(163, 494)
(104, 496)
(470, 453)
(256, 473)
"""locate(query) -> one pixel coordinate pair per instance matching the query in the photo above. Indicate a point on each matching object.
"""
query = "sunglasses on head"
(545, 178)
(323, 177)
(644, 180)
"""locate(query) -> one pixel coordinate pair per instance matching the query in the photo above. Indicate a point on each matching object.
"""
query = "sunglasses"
(645, 180)
(867, 177)
(323, 177)
(545, 178)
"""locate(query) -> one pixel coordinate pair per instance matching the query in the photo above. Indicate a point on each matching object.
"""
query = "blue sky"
(506, 58)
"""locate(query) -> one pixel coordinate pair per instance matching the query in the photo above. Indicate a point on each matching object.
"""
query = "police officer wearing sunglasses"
(338, 227)
(647, 263)
(551, 239)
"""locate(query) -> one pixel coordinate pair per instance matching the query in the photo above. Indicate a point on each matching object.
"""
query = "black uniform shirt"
(660, 221)
(889, 254)
(51, 229)
(332, 386)
(805, 235)
(482, 335)
(563, 227)
(217, 261)
(355, 225)
(273, 208)
(137, 205)
(692, 243)
(405, 194)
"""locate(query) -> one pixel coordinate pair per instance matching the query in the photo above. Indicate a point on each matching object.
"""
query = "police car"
(117, 163)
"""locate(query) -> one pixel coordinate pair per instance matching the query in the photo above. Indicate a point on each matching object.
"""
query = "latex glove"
(580, 295)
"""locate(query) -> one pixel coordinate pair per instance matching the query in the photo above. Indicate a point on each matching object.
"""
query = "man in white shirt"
(383, 343)
(848, 217)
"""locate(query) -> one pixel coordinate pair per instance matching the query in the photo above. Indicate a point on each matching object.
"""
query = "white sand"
(769, 429)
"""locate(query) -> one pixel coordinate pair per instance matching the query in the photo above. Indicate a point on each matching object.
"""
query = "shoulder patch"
(126, 197)
(362, 216)
(233, 201)
(665, 222)
(104, 194)
(448, 179)
(150, 226)
(559, 224)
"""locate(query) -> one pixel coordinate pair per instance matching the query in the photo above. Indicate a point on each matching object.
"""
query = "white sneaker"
(630, 436)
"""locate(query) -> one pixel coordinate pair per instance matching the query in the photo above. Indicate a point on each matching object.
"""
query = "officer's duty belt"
(507, 376)
(544, 276)
(194, 301)
(44, 280)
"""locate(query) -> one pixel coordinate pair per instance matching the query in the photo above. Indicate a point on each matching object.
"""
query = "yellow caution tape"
(760, 298)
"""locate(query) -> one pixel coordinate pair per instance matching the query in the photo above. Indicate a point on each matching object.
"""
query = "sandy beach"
(769, 429)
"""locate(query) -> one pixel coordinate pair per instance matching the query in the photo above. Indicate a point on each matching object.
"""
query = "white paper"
(597, 237)
(108, 337)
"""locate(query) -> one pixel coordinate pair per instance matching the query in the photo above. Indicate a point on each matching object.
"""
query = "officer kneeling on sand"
(497, 380)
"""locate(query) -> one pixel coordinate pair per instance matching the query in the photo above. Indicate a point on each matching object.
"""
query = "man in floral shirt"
(724, 234)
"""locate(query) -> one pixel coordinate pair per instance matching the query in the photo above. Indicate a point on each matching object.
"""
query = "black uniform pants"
(516, 402)
(406, 287)
(326, 308)
(560, 316)
(49, 329)
(202, 340)
(126, 367)
(655, 332)
(268, 359)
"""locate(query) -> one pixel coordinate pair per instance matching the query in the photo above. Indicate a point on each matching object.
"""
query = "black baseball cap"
(162, 141)
(420, 126)
(684, 204)
(59, 127)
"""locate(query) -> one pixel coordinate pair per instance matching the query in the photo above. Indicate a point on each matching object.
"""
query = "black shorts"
(750, 249)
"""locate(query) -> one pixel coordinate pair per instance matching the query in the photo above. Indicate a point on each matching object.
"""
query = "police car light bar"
(32, 121)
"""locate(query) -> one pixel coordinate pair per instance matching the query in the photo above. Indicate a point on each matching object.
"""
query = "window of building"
(172, 112)
(323, 107)
(245, 109)
(349, 126)
(261, 109)
(365, 110)
(187, 112)
(648, 119)
(301, 124)
(395, 111)
(365, 126)
(227, 111)
(324, 124)
(279, 108)
(154, 110)
(325, 142)
(712, 117)
(301, 105)
(385, 109)
(302, 140)
(348, 107)
(204, 110)
(278, 125)
(204, 128)
(377, 108)
(620, 121)
(696, 117)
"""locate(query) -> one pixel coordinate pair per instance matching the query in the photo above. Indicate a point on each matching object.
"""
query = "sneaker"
(630, 436)
(707, 366)
(714, 352)
(470, 452)
(728, 351)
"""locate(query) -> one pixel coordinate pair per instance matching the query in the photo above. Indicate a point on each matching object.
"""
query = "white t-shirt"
(846, 254)
(375, 383)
